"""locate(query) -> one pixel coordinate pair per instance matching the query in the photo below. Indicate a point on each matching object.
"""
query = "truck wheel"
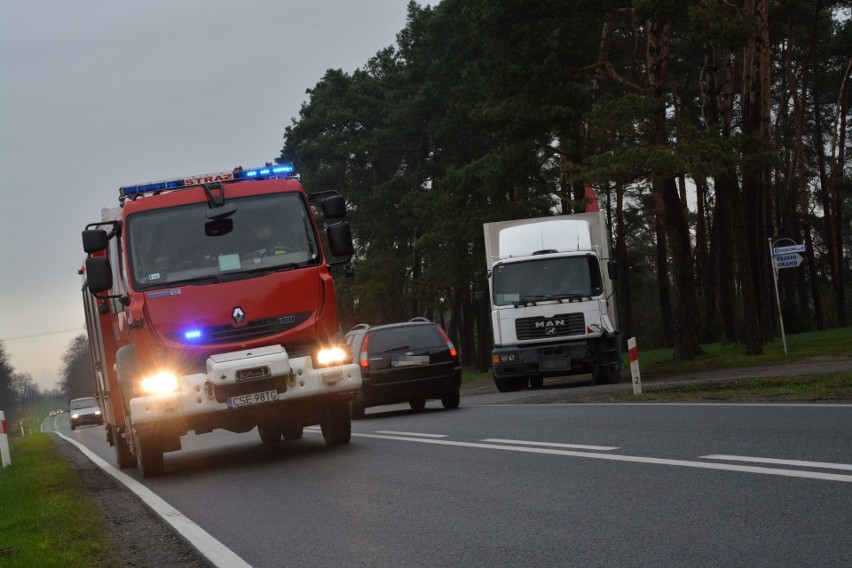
(123, 455)
(270, 432)
(509, 385)
(606, 374)
(536, 382)
(451, 400)
(337, 425)
(149, 454)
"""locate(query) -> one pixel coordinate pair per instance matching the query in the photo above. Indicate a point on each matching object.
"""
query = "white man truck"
(551, 293)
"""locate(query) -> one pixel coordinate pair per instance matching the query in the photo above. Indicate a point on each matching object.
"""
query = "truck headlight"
(159, 383)
(328, 356)
(504, 358)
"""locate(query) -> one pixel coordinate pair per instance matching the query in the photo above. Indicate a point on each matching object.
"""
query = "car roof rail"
(420, 318)
(360, 326)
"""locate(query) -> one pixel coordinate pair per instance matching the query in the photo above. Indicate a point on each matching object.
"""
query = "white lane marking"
(217, 553)
(418, 434)
(640, 403)
(795, 463)
(622, 458)
(550, 444)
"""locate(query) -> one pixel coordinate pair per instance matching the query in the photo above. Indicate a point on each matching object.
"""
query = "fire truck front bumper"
(237, 382)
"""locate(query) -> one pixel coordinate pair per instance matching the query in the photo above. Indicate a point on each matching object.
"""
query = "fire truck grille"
(559, 325)
(256, 329)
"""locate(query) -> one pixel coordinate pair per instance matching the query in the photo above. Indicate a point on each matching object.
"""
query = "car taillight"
(452, 347)
(362, 357)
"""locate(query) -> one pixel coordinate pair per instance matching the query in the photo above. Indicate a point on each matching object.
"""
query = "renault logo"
(238, 314)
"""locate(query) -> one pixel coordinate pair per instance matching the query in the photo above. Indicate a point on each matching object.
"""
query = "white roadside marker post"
(633, 354)
(5, 456)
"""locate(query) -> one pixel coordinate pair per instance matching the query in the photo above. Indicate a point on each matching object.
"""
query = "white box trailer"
(551, 294)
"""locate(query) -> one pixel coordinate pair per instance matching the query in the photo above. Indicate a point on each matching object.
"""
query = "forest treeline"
(709, 129)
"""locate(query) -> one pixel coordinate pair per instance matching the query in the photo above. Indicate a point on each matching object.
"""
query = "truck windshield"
(563, 278)
(170, 247)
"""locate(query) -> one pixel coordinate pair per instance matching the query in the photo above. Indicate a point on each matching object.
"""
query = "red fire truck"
(209, 304)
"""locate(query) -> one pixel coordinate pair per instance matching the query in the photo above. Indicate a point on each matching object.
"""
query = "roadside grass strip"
(45, 519)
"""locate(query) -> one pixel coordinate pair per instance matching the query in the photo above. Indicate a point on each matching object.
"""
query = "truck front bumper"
(556, 359)
(261, 381)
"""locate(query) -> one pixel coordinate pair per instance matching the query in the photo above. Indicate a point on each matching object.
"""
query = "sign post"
(634, 366)
(5, 456)
(784, 257)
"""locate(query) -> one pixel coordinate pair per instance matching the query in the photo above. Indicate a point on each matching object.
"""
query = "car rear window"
(402, 338)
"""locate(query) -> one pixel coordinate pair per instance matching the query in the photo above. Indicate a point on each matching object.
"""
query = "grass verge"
(45, 519)
(803, 388)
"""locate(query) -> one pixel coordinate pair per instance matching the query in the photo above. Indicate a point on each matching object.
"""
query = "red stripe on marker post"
(2, 426)
(634, 366)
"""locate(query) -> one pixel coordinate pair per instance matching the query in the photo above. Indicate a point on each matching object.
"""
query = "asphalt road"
(529, 484)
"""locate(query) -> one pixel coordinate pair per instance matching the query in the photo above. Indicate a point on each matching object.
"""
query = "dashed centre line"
(556, 451)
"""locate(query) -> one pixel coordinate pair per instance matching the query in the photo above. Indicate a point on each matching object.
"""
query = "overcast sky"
(95, 94)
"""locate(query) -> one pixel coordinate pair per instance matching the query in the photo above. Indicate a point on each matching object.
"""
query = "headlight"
(328, 356)
(504, 358)
(160, 383)
(97, 412)
(75, 416)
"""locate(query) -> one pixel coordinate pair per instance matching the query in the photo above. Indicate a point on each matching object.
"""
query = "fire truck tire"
(294, 433)
(270, 432)
(149, 454)
(337, 424)
(123, 455)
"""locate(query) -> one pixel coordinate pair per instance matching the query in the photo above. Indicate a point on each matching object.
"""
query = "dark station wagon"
(411, 362)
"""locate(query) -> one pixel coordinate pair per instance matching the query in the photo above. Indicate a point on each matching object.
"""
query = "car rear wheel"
(293, 433)
(417, 404)
(270, 432)
(451, 400)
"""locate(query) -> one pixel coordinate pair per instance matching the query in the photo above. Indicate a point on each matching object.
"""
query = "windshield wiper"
(398, 348)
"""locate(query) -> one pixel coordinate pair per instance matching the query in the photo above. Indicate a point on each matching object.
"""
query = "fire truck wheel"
(149, 454)
(270, 432)
(293, 433)
(123, 456)
(337, 425)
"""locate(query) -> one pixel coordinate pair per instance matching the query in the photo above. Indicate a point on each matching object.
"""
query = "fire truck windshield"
(170, 247)
(543, 279)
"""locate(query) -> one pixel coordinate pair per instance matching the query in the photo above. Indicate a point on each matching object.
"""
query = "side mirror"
(334, 207)
(612, 269)
(340, 239)
(95, 240)
(98, 274)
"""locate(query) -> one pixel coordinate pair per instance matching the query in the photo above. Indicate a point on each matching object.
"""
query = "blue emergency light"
(265, 172)
(192, 334)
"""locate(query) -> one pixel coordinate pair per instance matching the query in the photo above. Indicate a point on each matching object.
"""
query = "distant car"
(85, 411)
(411, 362)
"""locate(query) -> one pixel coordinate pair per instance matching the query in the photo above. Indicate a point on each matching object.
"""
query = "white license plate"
(410, 361)
(252, 399)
